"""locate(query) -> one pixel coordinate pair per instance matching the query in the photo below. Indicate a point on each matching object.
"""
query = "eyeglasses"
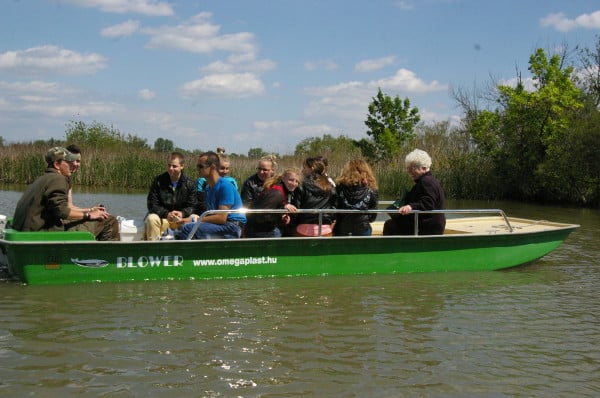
(262, 169)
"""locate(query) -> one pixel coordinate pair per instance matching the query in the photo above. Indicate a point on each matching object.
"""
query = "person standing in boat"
(426, 194)
(254, 184)
(44, 206)
(220, 195)
(316, 192)
(278, 193)
(171, 198)
(356, 190)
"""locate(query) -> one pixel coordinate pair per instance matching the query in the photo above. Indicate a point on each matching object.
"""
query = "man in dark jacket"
(426, 194)
(44, 206)
(172, 197)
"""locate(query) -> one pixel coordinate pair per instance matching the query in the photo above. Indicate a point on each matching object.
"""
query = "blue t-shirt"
(225, 194)
(202, 183)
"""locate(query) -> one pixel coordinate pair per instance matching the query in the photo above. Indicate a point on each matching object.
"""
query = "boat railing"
(321, 212)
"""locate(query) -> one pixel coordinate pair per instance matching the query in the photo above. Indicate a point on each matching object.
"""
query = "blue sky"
(243, 74)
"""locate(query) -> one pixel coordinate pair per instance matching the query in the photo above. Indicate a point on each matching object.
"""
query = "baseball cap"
(59, 153)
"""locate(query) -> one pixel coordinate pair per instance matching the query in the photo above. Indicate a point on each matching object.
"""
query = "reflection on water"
(519, 332)
(528, 331)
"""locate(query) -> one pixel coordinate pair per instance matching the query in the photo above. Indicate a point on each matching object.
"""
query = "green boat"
(474, 240)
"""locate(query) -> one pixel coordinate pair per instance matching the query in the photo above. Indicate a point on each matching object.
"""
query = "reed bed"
(124, 169)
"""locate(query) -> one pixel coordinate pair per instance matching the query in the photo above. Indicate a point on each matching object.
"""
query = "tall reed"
(124, 169)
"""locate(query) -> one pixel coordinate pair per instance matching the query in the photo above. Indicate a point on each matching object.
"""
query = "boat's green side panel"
(47, 263)
(45, 236)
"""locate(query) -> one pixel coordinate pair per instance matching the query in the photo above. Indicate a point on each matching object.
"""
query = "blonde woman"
(278, 193)
(254, 184)
(356, 190)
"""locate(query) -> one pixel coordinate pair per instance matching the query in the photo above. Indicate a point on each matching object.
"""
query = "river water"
(531, 331)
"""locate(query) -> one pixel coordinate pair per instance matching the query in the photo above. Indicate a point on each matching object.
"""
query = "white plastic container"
(130, 230)
(2, 224)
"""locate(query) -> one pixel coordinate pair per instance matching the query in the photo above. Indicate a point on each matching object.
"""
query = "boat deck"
(487, 225)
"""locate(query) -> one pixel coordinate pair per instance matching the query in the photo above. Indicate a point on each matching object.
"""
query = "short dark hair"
(74, 149)
(211, 158)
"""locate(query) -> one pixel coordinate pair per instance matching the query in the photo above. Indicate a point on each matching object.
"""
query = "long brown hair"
(319, 169)
(357, 172)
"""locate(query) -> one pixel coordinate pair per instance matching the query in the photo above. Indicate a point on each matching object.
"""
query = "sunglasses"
(201, 166)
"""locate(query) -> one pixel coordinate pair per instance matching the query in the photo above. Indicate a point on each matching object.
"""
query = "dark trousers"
(107, 229)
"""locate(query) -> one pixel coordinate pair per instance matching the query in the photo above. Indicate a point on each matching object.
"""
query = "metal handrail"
(320, 213)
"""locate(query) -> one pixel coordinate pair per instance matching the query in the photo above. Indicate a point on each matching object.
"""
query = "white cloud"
(237, 85)
(69, 110)
(561, 22)
(51, 99)
(34, 87)
(124, 29)
(320, 65)
(146, 94)
(406, 81)
(145, 7)
(36, 98)
(199, 35)
(369, 65)
(404, 5)
(528, 83)
(344, 105)
(53, 59)
(237, 63)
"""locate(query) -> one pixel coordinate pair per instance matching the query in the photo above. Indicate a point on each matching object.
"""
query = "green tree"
(327, 146)
(256, 153)
(163, 145)
(391, 124)
(589, 72)
(521, 133)
(100, 135)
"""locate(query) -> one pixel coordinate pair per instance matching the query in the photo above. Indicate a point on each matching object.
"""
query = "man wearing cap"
(44, 206)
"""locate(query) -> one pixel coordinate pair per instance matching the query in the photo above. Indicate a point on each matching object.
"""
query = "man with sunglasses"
(220, 195)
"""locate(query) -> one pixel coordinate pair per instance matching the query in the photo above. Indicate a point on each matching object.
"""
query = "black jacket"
(355, 197)
(251, 188)
(312, 196)
(162, 199)
(426, 194)
(273, 198)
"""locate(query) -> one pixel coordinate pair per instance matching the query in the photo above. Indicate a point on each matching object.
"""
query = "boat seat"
(46, 236)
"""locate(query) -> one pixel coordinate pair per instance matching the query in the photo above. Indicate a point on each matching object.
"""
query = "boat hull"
(62, 262)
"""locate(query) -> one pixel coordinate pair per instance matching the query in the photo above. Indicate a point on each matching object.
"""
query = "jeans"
(274, 233)
(207, 230)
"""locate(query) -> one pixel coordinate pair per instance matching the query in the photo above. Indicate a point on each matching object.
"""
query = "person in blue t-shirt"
(220, 195)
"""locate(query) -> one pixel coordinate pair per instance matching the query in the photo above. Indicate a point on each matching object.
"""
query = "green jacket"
(44, 204)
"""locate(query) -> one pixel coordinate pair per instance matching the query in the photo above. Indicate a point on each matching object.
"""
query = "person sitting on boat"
(220, 195)
(171, 198)
(278, 193)
(316, 192)
(75, 165)
(254, 184)
(44, 206)
(224, 170)
(426, 194)
(356, 190)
